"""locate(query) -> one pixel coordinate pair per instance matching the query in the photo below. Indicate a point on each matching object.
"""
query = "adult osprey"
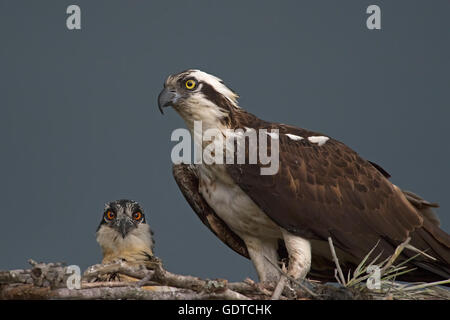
(322, 189)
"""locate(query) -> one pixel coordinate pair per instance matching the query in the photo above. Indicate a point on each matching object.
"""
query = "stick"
(292, 279)
(397, 252)
(279, 288)
(336, 261)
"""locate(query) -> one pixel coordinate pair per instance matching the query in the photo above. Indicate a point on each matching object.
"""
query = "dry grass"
(389, 270)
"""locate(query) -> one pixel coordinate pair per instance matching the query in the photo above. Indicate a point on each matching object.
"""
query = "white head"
(197, 95)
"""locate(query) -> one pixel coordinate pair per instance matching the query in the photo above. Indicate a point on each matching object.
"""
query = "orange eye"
(137, 216)
(110, 215)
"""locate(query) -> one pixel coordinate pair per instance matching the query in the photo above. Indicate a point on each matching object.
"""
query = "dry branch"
(121, 280)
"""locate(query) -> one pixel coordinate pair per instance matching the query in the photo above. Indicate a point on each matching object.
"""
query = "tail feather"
(423, 207)
(430, 239)
(436, 243)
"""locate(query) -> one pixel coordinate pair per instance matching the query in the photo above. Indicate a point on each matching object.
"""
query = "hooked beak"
(124, 225)
(165, 99)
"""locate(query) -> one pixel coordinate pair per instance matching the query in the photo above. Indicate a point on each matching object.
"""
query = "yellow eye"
(190, 84)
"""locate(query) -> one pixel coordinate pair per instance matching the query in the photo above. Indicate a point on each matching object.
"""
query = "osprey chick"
(322, 189)
(123, 233)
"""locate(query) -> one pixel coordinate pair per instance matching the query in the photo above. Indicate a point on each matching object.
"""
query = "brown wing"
(187, 180)
(422, 206)
(329, 190)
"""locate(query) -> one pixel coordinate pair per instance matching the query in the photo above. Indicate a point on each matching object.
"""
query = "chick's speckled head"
(123, 232)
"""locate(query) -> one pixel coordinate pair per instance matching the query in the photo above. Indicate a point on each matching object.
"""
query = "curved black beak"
(124, 225)
(165, 99)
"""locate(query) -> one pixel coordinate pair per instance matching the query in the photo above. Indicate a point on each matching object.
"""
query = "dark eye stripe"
(212, 95)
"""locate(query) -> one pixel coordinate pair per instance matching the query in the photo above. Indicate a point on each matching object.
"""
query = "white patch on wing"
(319, 140)
(294, 137)
(273, 135)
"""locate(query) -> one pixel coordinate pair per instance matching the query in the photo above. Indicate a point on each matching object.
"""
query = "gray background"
(79, 123)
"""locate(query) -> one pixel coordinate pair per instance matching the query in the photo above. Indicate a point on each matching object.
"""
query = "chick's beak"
(124, 225)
